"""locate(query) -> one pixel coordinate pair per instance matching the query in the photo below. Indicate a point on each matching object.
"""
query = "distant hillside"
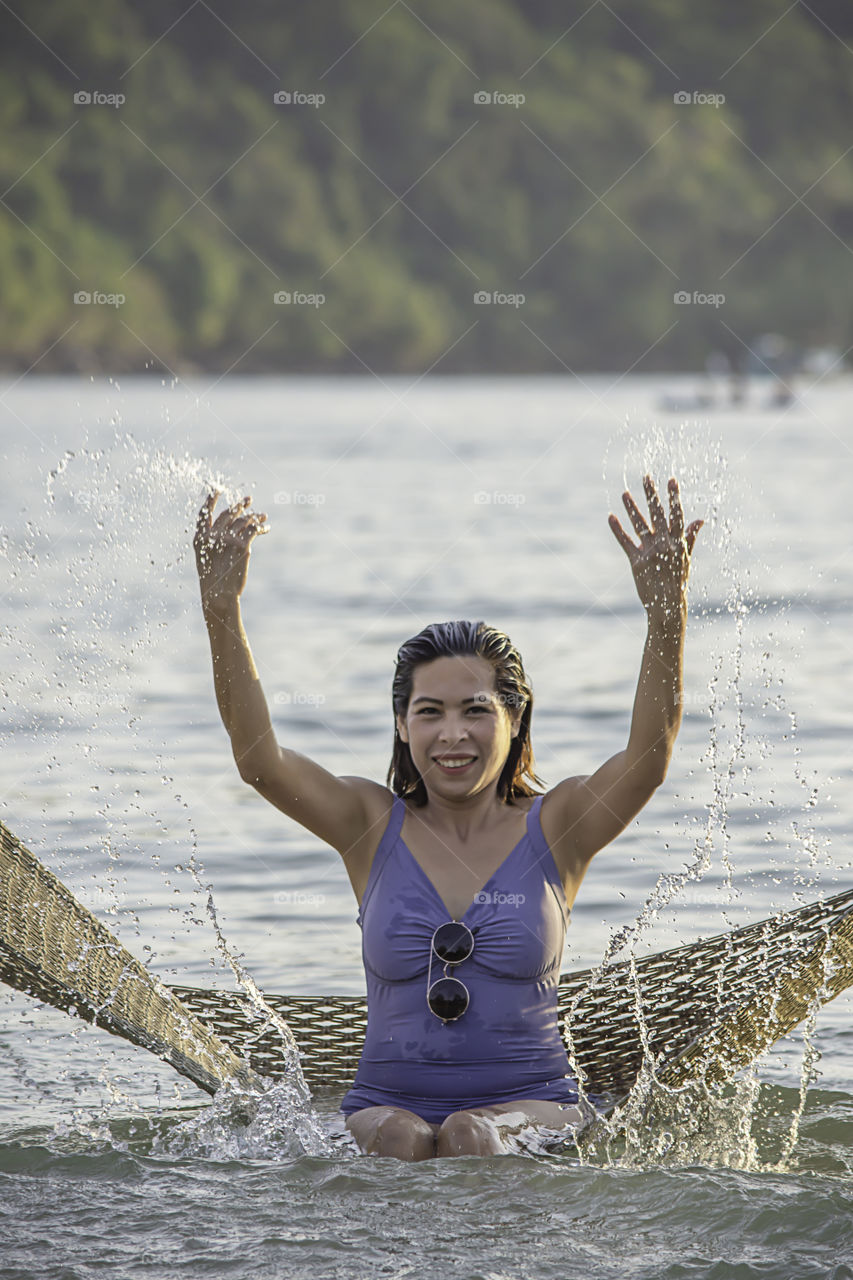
(576, 167)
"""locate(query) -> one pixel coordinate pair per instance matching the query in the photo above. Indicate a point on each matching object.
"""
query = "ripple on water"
(193, 1193)
(175, 1193)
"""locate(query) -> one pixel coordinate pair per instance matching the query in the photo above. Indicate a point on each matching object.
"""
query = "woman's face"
(455, 710)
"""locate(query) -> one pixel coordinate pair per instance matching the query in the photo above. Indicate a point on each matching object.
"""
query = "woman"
(464, 875)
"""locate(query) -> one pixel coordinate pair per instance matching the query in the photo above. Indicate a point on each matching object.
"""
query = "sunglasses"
(447, 997)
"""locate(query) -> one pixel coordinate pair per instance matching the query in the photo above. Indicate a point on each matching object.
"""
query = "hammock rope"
(708, 1008)
(52, 948)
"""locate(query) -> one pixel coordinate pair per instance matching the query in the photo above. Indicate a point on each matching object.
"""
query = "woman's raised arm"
(338, 810)
(591, 811)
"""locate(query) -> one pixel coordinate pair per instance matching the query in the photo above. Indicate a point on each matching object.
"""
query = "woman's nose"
(453, 733)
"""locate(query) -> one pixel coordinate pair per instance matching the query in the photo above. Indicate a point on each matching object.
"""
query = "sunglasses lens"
(453, 942)
(448, 999)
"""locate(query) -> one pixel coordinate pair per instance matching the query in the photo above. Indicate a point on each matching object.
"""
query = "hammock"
(698, 1011)
(52, 948)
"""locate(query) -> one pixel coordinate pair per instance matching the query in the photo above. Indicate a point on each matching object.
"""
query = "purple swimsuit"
(507, 1045)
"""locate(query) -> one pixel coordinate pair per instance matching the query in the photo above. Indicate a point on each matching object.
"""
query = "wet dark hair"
(461, 639)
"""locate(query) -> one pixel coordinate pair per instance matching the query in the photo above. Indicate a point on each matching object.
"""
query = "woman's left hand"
(661, 563)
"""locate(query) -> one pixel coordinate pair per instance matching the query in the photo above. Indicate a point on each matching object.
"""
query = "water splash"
(718, 1125)
(106, 513)
(700, 1122)
(113, 543)
(660, 1127)
(292, 1098)
(248, 1125)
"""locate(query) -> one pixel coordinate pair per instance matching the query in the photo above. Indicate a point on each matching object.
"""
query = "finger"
(207, 507)
(622, 538)
(250, 523)
(676, 511)
(655, 505)
(692, 530)
(638, 520)
(253, 531)
(202, 524)
(227, 517)
(260, 516)
(240, 523)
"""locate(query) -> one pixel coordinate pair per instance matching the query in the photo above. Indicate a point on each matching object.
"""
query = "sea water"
(392, 505)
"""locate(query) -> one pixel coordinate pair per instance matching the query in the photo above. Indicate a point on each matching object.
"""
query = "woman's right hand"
(222, 549)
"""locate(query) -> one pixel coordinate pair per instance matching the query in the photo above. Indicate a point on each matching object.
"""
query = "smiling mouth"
(453, 764)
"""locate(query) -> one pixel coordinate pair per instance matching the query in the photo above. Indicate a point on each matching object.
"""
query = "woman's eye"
(423, 711)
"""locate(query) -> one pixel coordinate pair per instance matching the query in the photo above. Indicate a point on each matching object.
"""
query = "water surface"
(391, 507)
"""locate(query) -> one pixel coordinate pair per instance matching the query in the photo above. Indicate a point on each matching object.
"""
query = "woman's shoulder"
(376, 799)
